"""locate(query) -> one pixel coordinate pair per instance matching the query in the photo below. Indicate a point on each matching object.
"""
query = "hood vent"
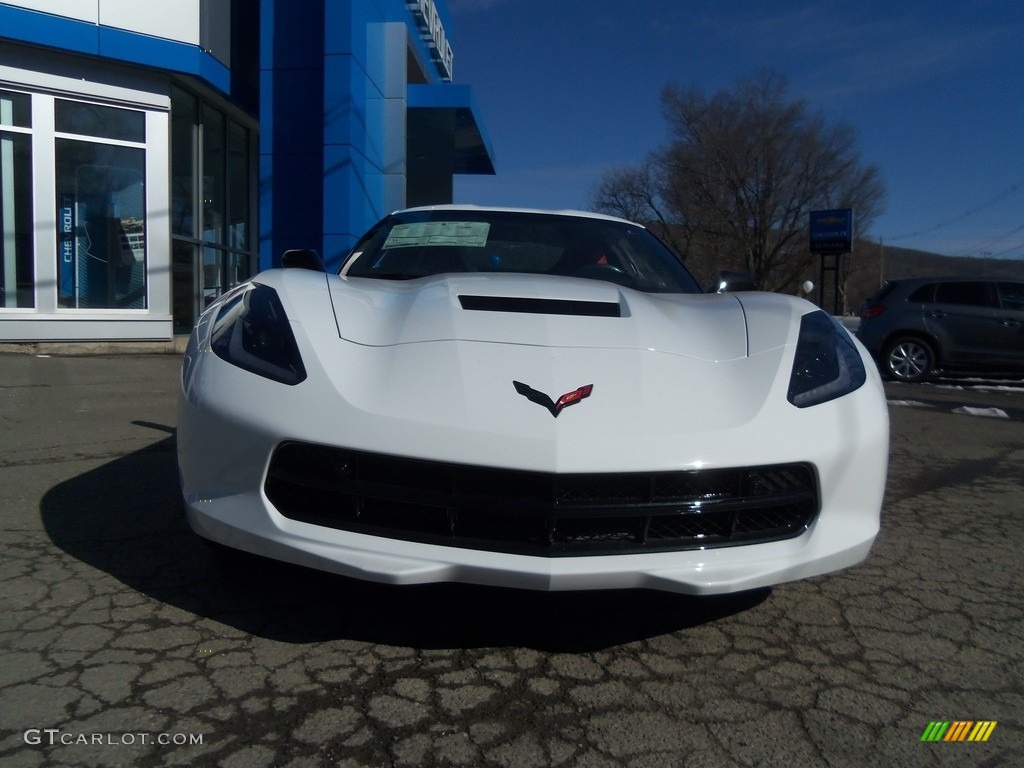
(541, 306)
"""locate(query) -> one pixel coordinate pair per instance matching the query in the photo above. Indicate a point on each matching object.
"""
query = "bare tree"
(740, 176)
(635, 194)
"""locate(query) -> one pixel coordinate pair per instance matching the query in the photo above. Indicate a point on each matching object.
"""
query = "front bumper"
(226, 442)
(391, 561)
(231, 423)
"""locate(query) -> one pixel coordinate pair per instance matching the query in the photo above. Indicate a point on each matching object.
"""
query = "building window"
(16, 257)
(214, 172)
(84, 210)
(239, 180)
(101, 251)
(101, 207)
(102, 122)
(184, 158)
(212, 191)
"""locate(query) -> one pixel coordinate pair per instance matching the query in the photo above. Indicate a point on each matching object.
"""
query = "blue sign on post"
(832, 231)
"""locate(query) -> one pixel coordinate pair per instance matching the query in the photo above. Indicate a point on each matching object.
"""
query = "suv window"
(923, 295)
(882, 292)
(1011, 295)
(975, 294)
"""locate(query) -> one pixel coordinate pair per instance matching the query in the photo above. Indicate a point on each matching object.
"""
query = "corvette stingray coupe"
(529, 399)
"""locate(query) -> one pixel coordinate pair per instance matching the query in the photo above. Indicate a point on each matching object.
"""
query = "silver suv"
(919, 325)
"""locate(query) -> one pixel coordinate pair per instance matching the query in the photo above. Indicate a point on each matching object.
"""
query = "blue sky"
(935, 90)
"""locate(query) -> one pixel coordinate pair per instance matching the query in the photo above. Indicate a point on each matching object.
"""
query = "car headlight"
(827, 364)
(252, 332)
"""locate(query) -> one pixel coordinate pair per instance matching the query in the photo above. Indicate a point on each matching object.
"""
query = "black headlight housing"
(827, 364)
(252, 332)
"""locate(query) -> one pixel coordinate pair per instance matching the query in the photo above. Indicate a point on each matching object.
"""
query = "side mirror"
(730, 282)
(302, 258)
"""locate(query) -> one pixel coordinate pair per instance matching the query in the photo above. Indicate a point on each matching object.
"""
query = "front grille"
(539, 513)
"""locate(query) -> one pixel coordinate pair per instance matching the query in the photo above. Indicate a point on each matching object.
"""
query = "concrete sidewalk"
(175, 346)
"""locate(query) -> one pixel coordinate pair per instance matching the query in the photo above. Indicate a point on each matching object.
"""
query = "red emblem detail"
(554, 406)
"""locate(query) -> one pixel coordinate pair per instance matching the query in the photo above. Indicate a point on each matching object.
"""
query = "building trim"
(141, 326)
(76, 36)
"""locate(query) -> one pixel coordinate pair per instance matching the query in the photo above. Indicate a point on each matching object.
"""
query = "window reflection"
(213, 176)
(184, 119)
(103, 122)
(16, 256)
(184, 285)
(101, 255)
(237, 269)
(212, 191)
(238, 186)
(15, 109)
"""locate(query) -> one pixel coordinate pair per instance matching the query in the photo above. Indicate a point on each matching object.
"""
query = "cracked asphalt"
(125, 640)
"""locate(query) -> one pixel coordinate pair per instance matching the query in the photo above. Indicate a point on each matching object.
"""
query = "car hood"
(405, 367)
(540, 311)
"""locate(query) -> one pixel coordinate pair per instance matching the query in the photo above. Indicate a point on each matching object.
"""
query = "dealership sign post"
(831, 234)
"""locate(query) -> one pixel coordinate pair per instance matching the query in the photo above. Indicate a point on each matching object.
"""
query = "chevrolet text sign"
(832, 231)
(432, 30)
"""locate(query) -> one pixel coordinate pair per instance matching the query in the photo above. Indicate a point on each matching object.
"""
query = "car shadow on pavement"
(125, 518)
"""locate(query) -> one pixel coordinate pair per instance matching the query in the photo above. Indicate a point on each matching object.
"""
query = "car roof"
(504, 209)
(948, 279)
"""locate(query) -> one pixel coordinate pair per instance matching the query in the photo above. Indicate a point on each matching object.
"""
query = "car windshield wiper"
(385, 275)
(407, 275)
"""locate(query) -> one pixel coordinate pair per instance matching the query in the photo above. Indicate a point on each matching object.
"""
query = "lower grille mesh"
(539, 513)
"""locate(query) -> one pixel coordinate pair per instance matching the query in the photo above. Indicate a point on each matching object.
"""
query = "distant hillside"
(870, 264)
(863, 271)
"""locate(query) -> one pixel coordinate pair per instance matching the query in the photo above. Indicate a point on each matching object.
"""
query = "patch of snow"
(992, 413)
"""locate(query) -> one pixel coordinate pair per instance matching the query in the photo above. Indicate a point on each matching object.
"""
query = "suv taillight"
(873, 311)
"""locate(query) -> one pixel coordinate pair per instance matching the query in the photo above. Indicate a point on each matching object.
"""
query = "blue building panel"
(291, 201)
(212, 71)
(156, 52)
(345, 100)
(346, 24)
(353, 199)
(292, 34)
(296, 122)
(336, 246)
(335, 82)
(44, 29)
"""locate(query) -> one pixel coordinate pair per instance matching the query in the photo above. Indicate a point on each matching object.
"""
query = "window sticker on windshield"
(467, 233)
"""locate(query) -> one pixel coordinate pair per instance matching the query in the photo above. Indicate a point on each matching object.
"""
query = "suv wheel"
(908, 359)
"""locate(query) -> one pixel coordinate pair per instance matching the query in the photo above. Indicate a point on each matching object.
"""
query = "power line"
(990, 243)
(998, 198)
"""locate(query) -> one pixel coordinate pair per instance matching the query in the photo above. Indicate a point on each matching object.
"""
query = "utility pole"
(881, 263)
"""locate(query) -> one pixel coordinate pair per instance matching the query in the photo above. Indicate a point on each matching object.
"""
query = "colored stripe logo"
(958, 730)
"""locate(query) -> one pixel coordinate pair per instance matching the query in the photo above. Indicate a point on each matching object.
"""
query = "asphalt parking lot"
(126, 641)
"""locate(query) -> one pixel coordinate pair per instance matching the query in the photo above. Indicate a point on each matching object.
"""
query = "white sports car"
(529, 399)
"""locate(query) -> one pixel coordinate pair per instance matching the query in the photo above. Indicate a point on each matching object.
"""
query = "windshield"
(415, 244)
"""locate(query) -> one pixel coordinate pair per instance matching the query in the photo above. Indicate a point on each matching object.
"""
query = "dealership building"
(154, 154)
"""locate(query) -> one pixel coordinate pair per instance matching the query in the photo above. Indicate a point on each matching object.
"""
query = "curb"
(175, 346)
